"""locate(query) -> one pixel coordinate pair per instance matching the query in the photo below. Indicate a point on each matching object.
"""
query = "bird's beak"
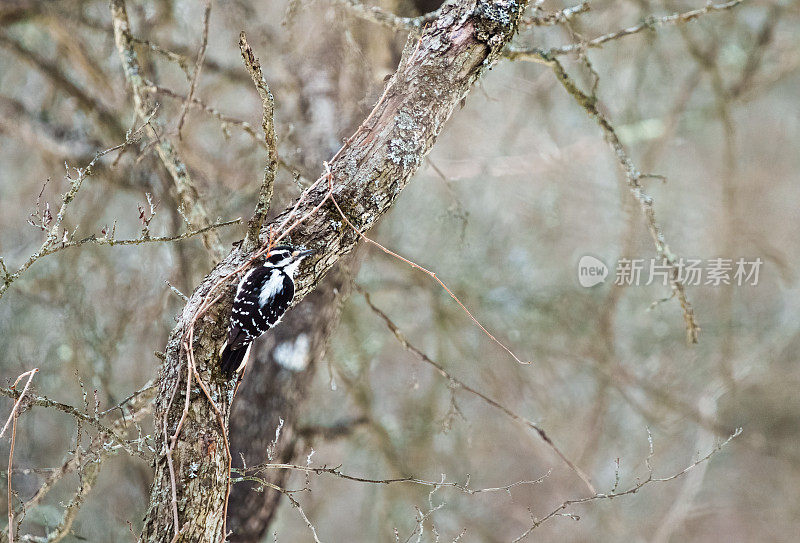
(302, 254)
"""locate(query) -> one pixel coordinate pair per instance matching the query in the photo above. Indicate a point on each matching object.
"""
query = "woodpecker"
(262, 297)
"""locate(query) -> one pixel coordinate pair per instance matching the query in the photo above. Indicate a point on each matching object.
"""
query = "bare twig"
(649, 23)
(555, 17)
(461, 384)
(633, 177)
(177, 292)
(88, 476)
(198, 66)
(187, 192)
(270, 139)
(224, 119)
(196, 103)
(631, 490)
(41, 401)
(109, 240)
(56, 238)
(385, 18)
(336, 471)
(14, 416)
(87, 464)
(29, 374)
(429, 273)
(139, 405)
(179, 59)
(12, 419)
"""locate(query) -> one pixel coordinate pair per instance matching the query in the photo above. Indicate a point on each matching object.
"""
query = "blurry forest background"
(519, 186)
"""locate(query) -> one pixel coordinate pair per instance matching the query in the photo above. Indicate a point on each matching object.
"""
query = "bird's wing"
(243, 328)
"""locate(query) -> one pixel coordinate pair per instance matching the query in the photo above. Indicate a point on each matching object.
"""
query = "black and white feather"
(262, 297)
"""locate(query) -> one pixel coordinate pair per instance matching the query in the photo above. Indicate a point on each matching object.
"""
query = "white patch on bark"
(293, 355)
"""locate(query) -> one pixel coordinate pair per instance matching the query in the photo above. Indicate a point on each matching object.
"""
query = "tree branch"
(377, 15)
(649, 23)
(633, 489)
(458, 383)
(271, 140)
(435, 73)
(633, 177)
(188, 197)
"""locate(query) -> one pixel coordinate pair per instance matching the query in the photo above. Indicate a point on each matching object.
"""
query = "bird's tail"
(231, 359)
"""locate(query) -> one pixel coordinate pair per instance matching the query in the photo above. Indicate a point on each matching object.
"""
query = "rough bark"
(434, 75)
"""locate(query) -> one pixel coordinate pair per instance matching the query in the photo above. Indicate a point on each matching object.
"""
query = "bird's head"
(287, 258)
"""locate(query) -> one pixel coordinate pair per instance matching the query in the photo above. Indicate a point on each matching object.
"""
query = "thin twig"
(631, 490)
(385, 18)
(270, 139)
(177, 58)
(88, 476)
(12, 419)
(198, 66)
(555, 17)
(42, 401)
(633, 177)
(110, 241)
(54, 235)
(177, 292)
(463, 487)
(99, 445)
(14, 415)
(426, 271)
(649, 23)
(461, 384)
(29, 374)
(195, 102)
